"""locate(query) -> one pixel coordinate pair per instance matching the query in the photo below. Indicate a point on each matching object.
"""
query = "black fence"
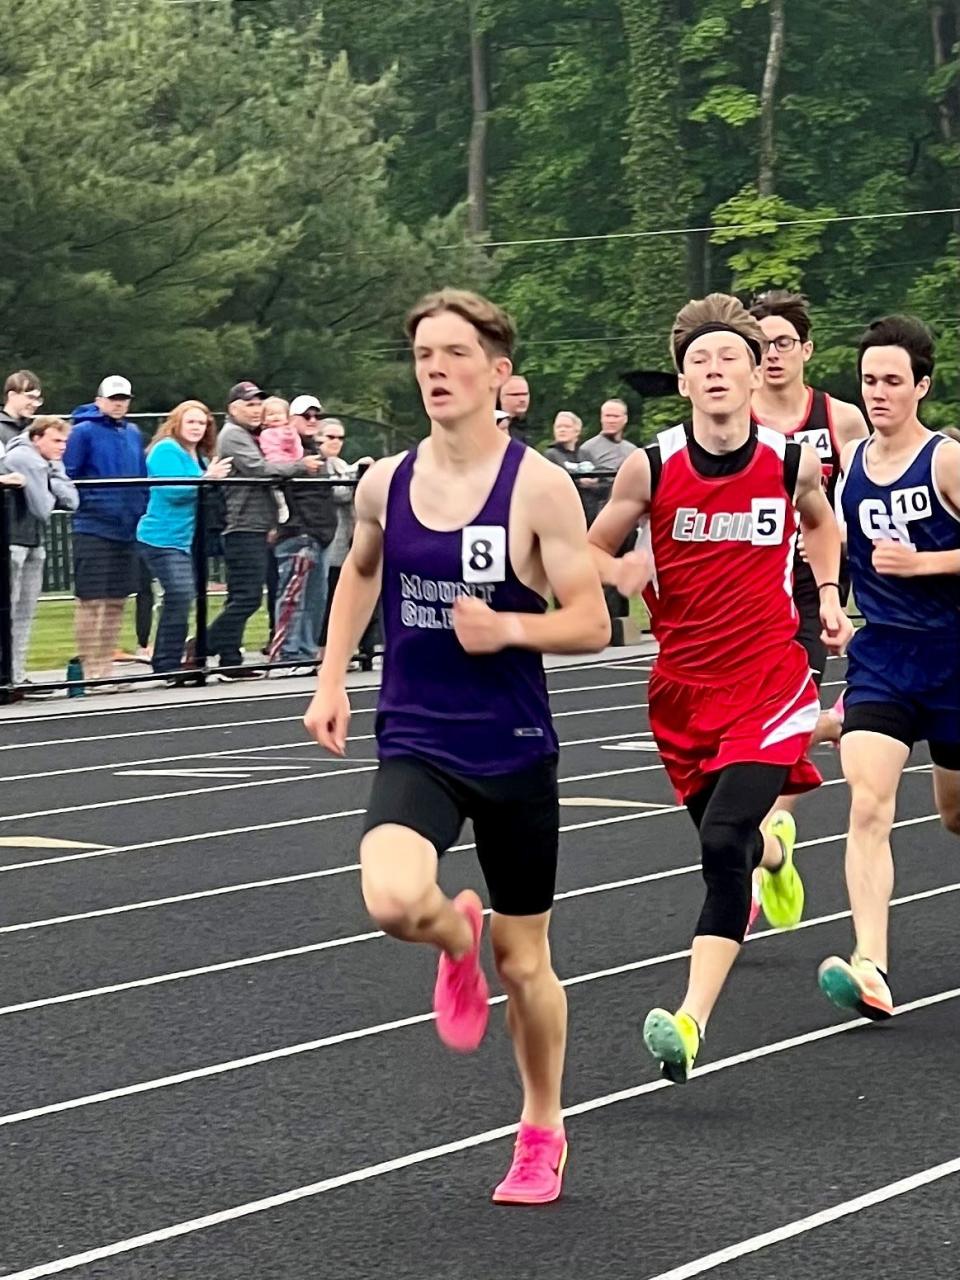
(240, 542)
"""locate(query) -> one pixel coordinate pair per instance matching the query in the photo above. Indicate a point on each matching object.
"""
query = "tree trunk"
(477, 153)
(768, 99)
(657, 173)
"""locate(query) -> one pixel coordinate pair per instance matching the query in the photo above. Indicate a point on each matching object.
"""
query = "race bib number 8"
(769, 517)
(483, 553)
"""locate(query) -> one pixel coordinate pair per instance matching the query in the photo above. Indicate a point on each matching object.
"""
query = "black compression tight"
(728, 813)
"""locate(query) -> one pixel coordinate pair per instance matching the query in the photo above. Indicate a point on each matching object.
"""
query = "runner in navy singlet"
(470, 533)
(900, 502)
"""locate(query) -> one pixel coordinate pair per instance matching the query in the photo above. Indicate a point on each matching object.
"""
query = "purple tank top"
(477, 715)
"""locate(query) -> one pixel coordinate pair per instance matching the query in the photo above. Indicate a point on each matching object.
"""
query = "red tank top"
(722, 602)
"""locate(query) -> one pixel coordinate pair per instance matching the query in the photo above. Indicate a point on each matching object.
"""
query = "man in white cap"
(103, 445)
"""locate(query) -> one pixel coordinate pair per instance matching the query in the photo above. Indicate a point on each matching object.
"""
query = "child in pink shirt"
(279, 439)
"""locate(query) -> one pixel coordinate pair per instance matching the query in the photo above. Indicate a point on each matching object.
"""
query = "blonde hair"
(276, 402)
(39, 426)
(568, 413)
(494, 327)
(715, 309)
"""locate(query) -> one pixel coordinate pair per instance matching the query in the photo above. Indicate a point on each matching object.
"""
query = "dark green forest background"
(196, 192)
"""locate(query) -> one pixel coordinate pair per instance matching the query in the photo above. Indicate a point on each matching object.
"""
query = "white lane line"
(198, 836)
(257, 695)
(71, 997)
(610, 802)
(333, 772)
(232, 724)
(398, 1024)
(262, 782)
(801, 1226)
(222, 890)
(365, 1174)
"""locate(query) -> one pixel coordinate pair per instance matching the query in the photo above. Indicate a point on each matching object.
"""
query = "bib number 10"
(483, 553)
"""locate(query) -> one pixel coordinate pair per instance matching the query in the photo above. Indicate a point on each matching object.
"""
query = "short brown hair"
(495, 328)
(40, 426)
(720, 309)
(792, 307)
(22, 380)
(171, 429)
(952, 433)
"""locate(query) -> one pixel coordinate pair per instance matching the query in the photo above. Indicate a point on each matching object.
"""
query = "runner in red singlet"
(732, 701)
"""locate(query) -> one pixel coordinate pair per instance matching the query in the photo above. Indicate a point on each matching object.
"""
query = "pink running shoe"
(754, 908)
(536, 1172)
(461, 992)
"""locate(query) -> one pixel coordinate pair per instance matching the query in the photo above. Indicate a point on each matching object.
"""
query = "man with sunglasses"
(22, 398)
(785, 403)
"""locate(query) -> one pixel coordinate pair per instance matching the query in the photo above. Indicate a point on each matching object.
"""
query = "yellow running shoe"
(858, 985)
(781, 891)
(674, 1040)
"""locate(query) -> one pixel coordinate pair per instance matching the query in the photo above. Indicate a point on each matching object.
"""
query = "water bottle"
(75, 673)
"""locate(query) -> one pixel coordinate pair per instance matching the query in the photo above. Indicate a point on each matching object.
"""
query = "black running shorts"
(516, 823)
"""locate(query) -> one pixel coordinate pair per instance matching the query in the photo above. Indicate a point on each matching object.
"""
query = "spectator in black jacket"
(301, 551)
(36, 457)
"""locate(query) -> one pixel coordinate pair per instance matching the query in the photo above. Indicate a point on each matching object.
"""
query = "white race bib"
(483, 553)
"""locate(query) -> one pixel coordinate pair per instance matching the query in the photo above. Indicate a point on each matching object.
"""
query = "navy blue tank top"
(910, 510)
(477, 715)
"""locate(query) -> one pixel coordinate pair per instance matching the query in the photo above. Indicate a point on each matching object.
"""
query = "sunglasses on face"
(329, 437)
(311, 415)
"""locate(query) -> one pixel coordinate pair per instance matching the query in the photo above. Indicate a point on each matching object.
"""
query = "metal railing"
(211, 577)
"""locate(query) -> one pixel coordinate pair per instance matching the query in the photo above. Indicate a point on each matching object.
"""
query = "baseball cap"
(300, 404)
(245, 390)
(114, 386)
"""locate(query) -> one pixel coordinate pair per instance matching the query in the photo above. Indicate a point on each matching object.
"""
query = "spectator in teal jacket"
(183, 446)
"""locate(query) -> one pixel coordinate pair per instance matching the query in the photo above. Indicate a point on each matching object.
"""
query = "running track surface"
(213, 1068)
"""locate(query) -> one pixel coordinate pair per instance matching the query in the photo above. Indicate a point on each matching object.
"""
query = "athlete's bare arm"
(849, 424)
(900, 560)
(821, 536)
(629, 503)
(328, 716)
(554, 513)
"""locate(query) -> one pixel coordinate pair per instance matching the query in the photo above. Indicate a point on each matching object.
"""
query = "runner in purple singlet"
(471, 533)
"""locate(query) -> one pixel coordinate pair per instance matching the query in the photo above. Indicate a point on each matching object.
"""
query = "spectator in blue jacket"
(183, 446)
(104, 445)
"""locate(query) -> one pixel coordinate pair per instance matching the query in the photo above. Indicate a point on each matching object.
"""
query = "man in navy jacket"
(104, 445)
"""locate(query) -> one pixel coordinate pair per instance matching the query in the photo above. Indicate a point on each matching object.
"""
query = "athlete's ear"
(806, 350)
(923, 386)
(502, 369)
(683, 386)
(756, 377)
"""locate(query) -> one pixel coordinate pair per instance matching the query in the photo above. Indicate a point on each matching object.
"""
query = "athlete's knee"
(729, 852)
(522, 963)
(871, 810)
(398, 884)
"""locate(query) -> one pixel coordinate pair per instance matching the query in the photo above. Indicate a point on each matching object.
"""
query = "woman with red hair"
(183, 446)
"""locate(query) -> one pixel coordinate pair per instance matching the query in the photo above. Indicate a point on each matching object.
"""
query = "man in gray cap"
(251, 518)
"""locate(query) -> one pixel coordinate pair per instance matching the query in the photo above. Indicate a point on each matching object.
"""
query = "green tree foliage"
(200, 191)
(193, 200)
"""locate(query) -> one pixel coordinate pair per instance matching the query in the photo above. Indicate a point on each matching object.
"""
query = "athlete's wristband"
(821, 585)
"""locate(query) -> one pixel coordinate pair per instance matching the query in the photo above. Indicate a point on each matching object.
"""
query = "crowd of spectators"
(285, 539)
